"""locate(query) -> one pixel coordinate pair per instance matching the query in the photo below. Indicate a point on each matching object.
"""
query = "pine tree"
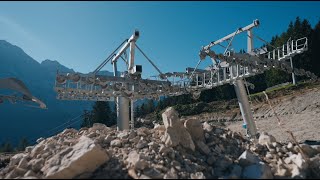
(100, 113)
(87, 122)
(23, 144)
(6, 147)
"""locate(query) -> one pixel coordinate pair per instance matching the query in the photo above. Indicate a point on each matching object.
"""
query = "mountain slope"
(22, 121)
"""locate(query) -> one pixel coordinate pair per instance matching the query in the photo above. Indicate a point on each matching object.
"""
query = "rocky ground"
(177, 149)
(298, 110)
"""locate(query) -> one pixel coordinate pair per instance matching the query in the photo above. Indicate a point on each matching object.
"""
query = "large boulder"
(170, 118)
(175, 132)
(84, 157)
(195, 129)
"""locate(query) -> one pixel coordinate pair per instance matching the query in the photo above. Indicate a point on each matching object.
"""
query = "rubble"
(178, 149)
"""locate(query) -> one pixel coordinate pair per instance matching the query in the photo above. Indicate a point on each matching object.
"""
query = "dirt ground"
(298, 113)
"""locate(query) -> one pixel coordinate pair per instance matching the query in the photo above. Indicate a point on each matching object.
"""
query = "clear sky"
(80, 35)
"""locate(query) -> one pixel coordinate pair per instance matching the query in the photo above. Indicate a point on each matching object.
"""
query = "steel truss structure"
(229, 67)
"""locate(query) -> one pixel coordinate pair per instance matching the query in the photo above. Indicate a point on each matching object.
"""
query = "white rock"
(197, 175)
(40, 140)
(123, 134)
(116, 143)
(38, 149)
(85, 157)
(170, 117)
(194, 127)
(37, 164)
(159, 127)
(290, 146)
(30, 174)
(207, 127)
(16, 172)
(29, 149)
(265, 139)
(299, 161)
(136, 160)
(23, 164)
(16, 159)
(296, 172)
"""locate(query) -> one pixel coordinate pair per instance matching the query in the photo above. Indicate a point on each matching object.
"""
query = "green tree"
(23, 144)
(87, 122)
(100, 113)
(6, 147)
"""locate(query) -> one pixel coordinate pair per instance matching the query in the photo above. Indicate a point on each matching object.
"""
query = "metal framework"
(228, 67)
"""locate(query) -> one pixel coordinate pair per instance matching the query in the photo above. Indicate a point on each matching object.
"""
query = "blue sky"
(80, 35)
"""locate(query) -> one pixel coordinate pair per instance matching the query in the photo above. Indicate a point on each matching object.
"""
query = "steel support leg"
(122, 104)
(245, 107)
(123, 118)
(293, 77)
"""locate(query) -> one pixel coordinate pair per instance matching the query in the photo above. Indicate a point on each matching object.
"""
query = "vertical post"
(132, 114)
(293, 76)
(243, 97)
(122, 105)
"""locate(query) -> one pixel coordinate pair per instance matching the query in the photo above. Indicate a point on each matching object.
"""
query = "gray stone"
(137, 160)
(203, 147)
(153, 173)
(211, 160)
(236, 171)
(194, 127)
(265, 139)
(257, 171)
(308, 150)
(141, 144)
(247, 158)
(116, 143)
(171, 174)
(123, 134)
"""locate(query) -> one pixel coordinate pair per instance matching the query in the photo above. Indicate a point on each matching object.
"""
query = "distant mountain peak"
(55, 65)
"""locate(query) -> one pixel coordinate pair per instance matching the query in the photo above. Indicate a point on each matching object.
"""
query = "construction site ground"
(296, 107)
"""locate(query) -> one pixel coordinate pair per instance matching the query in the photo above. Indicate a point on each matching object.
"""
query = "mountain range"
(17, 120)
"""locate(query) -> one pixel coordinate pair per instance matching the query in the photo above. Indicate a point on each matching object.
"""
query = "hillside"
(19, 121)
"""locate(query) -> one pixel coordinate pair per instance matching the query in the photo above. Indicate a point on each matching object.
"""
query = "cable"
(161, 74)
(47, 132)
(108, 58)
